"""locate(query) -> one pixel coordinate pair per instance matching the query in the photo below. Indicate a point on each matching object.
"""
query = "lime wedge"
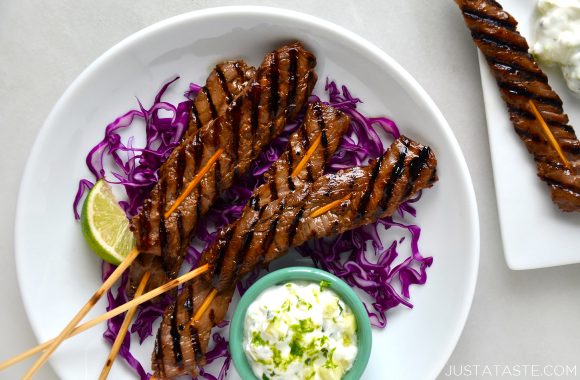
(105, 226)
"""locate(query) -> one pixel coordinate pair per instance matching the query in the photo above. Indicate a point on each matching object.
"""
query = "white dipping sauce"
(300, 330)
(558, 37)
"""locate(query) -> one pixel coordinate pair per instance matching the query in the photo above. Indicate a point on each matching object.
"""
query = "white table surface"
(517, 318)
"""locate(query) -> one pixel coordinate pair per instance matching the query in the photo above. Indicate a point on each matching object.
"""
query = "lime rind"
(105, 225)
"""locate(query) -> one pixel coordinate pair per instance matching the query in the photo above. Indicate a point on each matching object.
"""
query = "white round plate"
(58, 273)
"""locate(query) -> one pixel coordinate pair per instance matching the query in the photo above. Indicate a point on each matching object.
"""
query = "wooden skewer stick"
(206, 302)
(80, 315)
(112, 313)
(549, 136)
(194, 182)
(123, 329)
(306, 157)
(328, 207)
(41, 347)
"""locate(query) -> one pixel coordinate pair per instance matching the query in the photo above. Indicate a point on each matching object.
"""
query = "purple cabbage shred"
(360, 257)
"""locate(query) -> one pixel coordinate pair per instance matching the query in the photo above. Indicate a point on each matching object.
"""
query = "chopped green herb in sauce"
(300, 331)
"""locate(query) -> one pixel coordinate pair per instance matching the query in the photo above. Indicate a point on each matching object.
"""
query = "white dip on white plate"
(300, 330)
(558, 37)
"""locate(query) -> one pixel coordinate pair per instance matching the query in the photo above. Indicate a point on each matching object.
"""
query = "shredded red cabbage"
(377, 272)
(136, 168)
(116, 298)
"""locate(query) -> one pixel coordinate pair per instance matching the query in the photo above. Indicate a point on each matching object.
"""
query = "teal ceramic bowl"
(285, 275)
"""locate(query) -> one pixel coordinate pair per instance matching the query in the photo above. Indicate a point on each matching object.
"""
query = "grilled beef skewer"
(320, 121)
(225, 83)
(361, 194)
(280, 89)
(520, 80)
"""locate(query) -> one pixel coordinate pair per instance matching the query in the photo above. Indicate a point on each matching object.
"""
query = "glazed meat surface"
(520, 80)
(322, 122)
(279, 90)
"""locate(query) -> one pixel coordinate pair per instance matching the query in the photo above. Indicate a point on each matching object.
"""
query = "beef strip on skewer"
(321, 121)
(224, 84)
(280, 89)
(361, 194)
(520, 80)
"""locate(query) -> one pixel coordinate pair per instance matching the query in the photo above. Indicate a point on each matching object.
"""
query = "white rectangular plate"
(535, 233)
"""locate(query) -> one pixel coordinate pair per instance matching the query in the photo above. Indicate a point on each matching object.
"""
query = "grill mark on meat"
(274, 92)
(217, 178)
(572, 149)
(270, 235)
(195, 343)
(553, 164)
(197, 205)
(144, 222)
(482, 38)
(188, 303)
(415, 167)
(289, 161)
(513, 89)
(513, 69)
(395, 174)
(241, 254)
(524, 133)
(292, 83)
(294, 226)
(210, 102)
(181, 232)
(520, 60)
(197, 152)
(322, 126)
(561, 186)
(566, 128)
(222, 252)
(223, 83)
(196, 116)
(255, 202)
(477, 16)
(176, 347)
(237, 119)
(255, 98)
(239, 69)
(162, 230)
(158, 352)
(273, 189)
(163, 242)
(362, 207)
(306, 143)
(180, 168)
(520, 113)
